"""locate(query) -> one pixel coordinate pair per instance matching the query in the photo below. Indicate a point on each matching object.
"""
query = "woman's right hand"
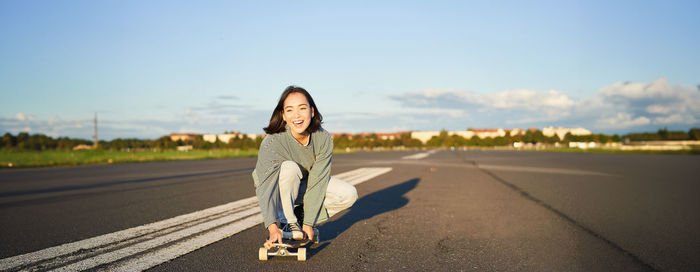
(275, 236)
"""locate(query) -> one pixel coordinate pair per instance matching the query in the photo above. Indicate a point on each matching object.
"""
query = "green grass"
(23, 159)
(15, 159)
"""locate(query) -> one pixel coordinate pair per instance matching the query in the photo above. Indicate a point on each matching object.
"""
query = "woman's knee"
(289, 169)
(348, 194)
(353, 194)
(289, 177)
(288, 166)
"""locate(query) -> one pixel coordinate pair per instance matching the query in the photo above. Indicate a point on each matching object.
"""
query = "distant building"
(424, 136)
(83, 146)
(389, 136)
(381, 136)
(185, 137)
(562, 131)
(226, 137)
(495, 132)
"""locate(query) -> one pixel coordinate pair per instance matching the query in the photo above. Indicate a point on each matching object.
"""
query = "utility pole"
(95, 144)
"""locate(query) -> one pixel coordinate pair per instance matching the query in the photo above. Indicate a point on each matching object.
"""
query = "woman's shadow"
(385, 200)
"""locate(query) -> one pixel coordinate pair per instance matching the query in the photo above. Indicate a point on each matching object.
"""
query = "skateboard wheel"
(262, 254)
(301, 254)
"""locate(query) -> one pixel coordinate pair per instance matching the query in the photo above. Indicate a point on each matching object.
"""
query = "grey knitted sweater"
(315, 157)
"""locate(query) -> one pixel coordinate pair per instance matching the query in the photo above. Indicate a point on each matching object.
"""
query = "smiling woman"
(292, 176)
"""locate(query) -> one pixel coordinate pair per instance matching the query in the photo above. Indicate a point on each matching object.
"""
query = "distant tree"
(508, 139)
(406, 140)
(438, 140)
(218, 144)
(694, 133)
(516, 138)
(258, 141)
(569, 138)
(200, 143)
(677, 136)
(616, 138)
(474, 141)
(660, 135)
(358, 141)
(22, 139)
(9, 141)
(248, 143)
(501, 141)
(342, 141)
(163, 143)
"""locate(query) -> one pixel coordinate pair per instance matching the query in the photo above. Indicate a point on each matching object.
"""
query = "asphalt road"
(452, 210)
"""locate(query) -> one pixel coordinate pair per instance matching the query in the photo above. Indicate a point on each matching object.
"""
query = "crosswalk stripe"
(145, 246)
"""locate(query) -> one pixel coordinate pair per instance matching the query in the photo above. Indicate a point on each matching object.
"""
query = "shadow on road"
(385, 200)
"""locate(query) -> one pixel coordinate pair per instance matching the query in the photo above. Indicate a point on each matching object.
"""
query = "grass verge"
(692, 151)
(22, 159)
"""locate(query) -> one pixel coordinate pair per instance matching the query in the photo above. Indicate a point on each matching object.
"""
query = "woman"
(294, 168)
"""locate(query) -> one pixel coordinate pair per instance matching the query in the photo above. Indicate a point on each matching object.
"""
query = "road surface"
(418, 210)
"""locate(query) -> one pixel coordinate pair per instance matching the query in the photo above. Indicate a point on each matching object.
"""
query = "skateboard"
(283, 249)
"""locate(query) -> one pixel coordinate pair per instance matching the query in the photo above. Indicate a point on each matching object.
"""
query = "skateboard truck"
(283, 249)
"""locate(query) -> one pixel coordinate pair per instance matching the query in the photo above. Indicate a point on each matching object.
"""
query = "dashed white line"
(419, 156)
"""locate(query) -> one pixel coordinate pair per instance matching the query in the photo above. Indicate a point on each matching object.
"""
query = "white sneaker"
(292, 231)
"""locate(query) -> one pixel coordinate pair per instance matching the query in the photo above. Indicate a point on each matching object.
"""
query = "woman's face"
(297, 113)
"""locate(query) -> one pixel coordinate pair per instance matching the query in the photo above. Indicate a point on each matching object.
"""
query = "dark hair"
(277, 123)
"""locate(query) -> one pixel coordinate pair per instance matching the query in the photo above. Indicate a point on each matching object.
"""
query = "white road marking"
(145, 246)
(361, 175)
(124, 235)
(155, 242)
(157, 257)
(419, 156)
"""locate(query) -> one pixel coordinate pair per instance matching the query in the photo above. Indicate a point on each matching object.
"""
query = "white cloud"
(24, 117)
(663, 103)
(528, 99)
(657, 109)
(618, 106)
(512, 99)
(675, 119)
(634, 91)
(623, 120)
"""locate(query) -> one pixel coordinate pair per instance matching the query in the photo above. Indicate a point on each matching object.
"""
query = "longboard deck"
(283, 249)
(292, 243)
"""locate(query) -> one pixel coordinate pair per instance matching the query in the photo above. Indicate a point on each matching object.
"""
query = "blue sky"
(150, 68)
